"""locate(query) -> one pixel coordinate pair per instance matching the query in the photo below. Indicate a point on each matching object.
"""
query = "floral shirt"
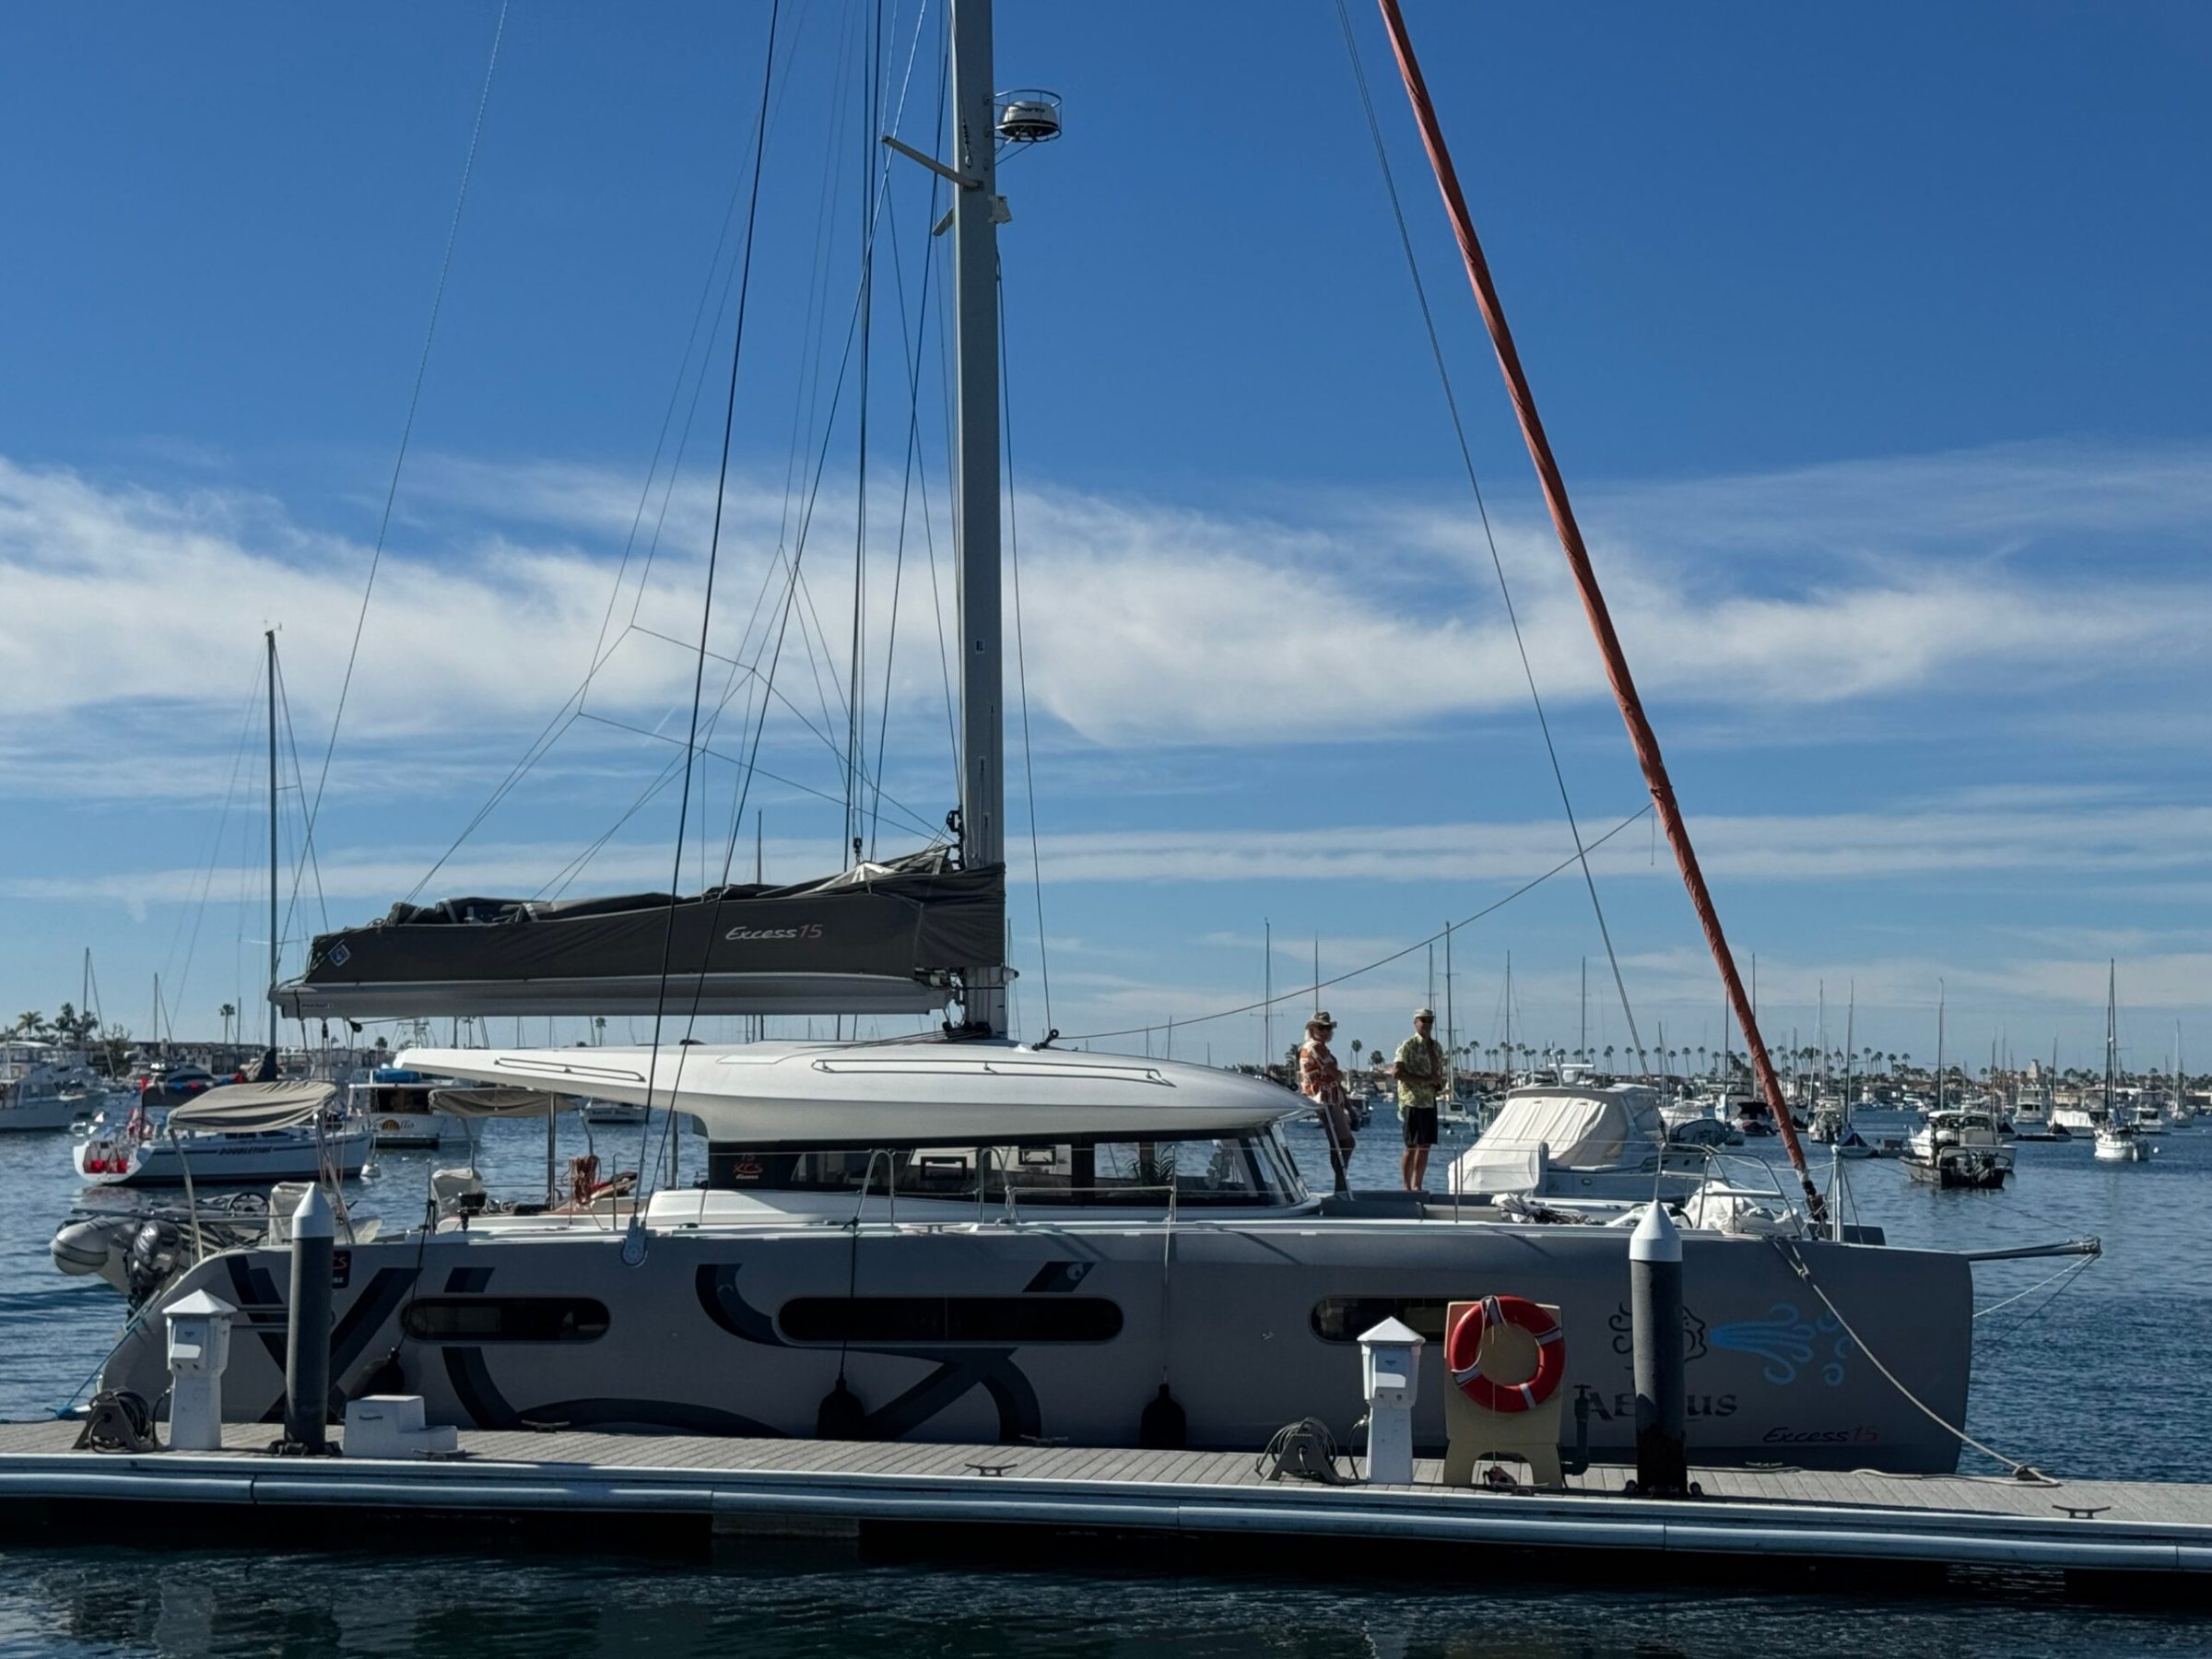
(1320, 1079)
(1420, 1071)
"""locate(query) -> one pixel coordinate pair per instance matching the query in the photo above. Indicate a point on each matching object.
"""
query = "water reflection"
(133, 1601)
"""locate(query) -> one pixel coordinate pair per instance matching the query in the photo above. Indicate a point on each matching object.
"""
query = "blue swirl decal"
(1787, 1340)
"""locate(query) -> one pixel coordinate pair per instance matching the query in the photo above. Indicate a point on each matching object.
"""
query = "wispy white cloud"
(1147, 625)
(2063, 831)
(2067, 834)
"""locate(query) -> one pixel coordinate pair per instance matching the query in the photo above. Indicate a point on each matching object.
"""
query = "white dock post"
(1390, 1359)
(199, 1350)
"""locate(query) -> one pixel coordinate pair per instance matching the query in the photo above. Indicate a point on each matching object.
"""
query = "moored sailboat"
(964, 1237)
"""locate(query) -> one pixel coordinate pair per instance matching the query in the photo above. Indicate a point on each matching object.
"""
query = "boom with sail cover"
(879, 938)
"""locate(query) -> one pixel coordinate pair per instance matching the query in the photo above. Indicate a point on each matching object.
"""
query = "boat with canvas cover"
(1573, 1140)
(239, 1134)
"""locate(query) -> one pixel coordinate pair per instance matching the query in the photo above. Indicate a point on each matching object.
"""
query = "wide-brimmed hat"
(1320, 1018)
(1424, 1013)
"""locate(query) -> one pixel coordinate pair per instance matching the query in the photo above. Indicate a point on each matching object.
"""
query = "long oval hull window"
(504, 1319)
(1013, 1320)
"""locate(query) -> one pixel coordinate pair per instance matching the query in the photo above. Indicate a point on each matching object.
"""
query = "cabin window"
(505, 1319)
(1251, 1169)
(1000, 1319)
(1345, 1318)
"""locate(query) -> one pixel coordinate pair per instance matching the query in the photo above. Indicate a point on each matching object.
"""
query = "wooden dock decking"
(820, 1488)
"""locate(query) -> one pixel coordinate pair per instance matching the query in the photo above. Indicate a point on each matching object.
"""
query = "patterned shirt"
(1320, 1079)
(1420, 1071)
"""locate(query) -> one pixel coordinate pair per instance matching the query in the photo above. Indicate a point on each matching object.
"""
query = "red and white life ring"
(1463, 1343)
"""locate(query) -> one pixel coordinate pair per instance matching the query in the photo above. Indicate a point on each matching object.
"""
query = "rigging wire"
(1395, 956)
(919, 823)
(912, 477)
(745, 784)
(214, 852)
(308, 859)
(406, 430)
(691, 340)
(565, 716)
(1374, 128)
(706, 610)
(856, 720)
(573, 708)
(1797, 1265)
(1021, 658)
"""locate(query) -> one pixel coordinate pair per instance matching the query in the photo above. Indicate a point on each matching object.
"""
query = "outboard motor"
(153, 1258)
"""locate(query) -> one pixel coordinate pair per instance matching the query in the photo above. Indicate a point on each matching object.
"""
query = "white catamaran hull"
(1006, 1332)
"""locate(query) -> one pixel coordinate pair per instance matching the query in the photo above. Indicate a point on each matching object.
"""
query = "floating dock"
(684, 1493)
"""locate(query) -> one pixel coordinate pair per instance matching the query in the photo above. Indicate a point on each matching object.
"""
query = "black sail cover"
(879, 938)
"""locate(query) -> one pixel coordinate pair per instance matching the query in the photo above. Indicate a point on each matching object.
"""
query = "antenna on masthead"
(1028, 115)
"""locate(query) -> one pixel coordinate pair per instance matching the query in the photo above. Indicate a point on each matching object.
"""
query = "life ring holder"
(1463, 1345)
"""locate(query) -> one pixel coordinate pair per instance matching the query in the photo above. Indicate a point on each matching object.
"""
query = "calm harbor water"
(2108, 1372)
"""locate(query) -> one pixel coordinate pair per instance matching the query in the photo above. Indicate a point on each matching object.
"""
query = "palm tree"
(28, 1025)
(230, 1012)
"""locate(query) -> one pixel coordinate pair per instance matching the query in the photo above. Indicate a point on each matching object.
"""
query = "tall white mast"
(2111, 1038)
(975, 207)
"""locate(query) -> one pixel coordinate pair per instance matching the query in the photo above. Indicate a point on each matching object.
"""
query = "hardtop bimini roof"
(925, 1091)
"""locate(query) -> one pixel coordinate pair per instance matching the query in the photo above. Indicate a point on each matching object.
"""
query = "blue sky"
(1872, 344)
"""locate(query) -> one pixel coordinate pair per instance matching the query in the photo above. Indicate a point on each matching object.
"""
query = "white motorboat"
(2035, 1118)
(240, 1134)
(45, 1086)
(613, 1111)
(1958, 1148)
(396, 1104)
(1599, 1140)
(2121, 1143)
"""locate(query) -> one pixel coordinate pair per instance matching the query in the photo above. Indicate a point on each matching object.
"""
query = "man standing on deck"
(1420, 1071)
(1321, 1080)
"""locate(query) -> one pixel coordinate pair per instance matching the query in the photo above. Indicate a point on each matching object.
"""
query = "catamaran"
(966, 1237)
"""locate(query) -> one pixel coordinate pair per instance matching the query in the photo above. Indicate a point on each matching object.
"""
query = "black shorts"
(1420, 1125)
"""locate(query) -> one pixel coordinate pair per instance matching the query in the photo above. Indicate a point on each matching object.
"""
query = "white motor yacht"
(1958, 1148)
(46, 1087)
(2120, 1142)
(396, 1104)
